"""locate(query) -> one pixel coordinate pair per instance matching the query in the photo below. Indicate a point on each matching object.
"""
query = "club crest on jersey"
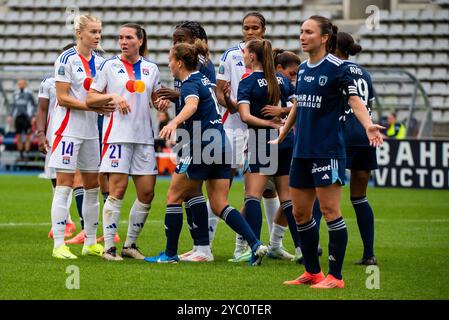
(114, 163)
(66, 160)
(322, 80)
(145, 71)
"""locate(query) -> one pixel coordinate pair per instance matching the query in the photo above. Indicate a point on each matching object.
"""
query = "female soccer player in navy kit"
(130, 82)
(264, 87)
(360, 156)
(319, 154)
(199, 108)
(230, 72)
(75, 143)
(197, 210)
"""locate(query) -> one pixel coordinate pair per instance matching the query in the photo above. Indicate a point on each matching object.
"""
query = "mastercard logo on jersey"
(87, 83)
(135, 86)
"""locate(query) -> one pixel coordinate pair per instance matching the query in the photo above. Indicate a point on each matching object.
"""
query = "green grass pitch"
(412, 246)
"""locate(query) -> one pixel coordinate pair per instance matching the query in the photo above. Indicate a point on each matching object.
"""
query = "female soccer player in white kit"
(75, 143)
(130, 82)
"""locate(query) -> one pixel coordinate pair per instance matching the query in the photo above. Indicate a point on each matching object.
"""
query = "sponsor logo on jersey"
(66, 160)
(80, 70)
(146, 71)
(237, 58)
(316, 169)
(325, 177)
(114, 163)
(309, 78)
(322, 80)
(77, 63)
(240, 64)
(121, 71)
(61, 71)
(301, 71)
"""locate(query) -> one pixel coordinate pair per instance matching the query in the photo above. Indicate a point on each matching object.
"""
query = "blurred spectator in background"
(396, 130)
(23, 112)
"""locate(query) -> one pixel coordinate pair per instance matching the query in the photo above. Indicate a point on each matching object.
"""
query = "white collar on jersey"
(310, 65)
(195, 72)
(241, 45)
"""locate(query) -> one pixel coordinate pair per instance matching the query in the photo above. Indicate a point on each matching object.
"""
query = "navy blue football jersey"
(321, 102)
(205, 67)
(207, 113)
(355, 134)
(287, 93)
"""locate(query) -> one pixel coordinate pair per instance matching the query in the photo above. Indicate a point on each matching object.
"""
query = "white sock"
(271, 206)
(69, 204)
(204, 250)
(59, 214)
(91, 213)
(297, 251)
(240, 245)
(277, 234)
(111, 220)
(137, 217)
(213, 222)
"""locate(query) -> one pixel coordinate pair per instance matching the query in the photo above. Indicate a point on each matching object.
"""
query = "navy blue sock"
(234, 219)
(190, 220)
(308, 237)
(253, 215)
(365, 221)
(173, 226)
(338, 239)
(200, 220)
(317, 214)
(79, 195)
(287, 209)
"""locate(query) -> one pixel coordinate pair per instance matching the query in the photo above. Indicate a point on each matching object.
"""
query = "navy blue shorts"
(314, 173)
(361, 158)
(285, 161)
(203, 171)
(275, 167)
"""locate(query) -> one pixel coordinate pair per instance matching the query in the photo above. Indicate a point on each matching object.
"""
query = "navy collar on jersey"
(187, 78)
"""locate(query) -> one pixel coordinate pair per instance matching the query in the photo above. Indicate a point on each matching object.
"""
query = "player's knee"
(301, 215)
(217, 206)
(147, 196)
(330, 213)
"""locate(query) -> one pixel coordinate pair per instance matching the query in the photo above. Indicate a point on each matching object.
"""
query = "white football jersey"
(69, 68)
(232, 68)
(47, 91)
(113, 76)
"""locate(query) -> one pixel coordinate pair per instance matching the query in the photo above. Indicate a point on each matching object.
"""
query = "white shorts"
(50, 173)
(238, 146)
(73, 153)
(131, 158)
